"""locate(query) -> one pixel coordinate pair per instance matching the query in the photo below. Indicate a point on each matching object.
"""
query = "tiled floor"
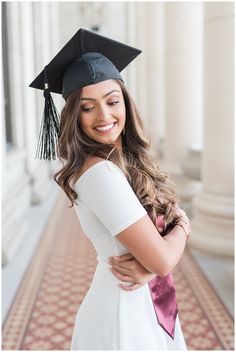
(60, 273)
(12, 273)
(219, 271)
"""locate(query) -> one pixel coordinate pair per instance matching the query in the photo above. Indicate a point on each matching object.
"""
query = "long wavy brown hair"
(152, 187)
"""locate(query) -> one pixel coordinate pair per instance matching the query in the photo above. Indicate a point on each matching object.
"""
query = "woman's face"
(102, 112)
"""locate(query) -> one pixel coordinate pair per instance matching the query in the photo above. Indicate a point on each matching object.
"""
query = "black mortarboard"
(86, 59)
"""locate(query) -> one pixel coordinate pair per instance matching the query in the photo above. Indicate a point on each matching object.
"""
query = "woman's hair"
(136, 159)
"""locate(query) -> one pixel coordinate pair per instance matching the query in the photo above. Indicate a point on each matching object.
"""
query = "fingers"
(132, 274)
(126, 279)
(123, 271)
(181, 213)
(124, 257)
(123, 266)
(122, 277)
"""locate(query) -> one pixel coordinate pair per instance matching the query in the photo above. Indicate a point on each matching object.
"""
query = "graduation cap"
(87, 58)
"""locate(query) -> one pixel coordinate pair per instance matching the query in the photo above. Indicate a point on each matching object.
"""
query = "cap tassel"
(49, 130)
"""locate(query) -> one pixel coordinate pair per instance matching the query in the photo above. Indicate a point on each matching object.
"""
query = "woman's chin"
(108, 140)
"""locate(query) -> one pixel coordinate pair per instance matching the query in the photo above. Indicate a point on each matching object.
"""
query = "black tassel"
(49, 130)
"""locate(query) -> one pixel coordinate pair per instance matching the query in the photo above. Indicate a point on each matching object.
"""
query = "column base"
(186, 190)
(213, 225)
(14, 224)
(185, 187)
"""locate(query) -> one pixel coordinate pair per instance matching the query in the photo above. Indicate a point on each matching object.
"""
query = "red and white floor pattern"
(59, 275)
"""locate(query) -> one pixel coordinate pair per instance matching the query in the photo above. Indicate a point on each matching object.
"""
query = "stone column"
(16, 182)
(183, 80)
(131, 39)
(183, 92)
(141, 35)
(3, 142)
(213, 224)
(112, 15)
(37, 169)
(70, 18)
(155, 72)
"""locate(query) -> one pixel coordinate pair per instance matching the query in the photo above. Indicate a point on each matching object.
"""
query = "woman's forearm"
(176, 241)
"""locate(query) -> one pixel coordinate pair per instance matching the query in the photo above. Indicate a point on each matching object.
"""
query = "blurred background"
(183, 86)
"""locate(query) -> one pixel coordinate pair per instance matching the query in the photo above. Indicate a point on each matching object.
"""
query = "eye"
(113, 102)
(86, 109)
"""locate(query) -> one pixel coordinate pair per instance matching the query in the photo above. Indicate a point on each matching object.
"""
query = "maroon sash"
(162, 291)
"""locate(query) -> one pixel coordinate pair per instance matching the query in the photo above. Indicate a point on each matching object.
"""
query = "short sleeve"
(106, 192)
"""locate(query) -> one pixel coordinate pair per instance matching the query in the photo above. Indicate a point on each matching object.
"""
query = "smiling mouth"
(106, 127)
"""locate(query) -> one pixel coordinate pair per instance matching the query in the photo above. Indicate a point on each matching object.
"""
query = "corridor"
(42, 314)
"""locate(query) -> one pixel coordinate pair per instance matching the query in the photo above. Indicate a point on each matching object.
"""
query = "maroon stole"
(162, 291)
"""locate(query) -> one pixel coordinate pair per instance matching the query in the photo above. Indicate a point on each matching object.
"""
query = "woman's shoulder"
(90, 165)
(89, 162)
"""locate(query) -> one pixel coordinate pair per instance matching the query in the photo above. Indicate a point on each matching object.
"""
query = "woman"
(114, 182)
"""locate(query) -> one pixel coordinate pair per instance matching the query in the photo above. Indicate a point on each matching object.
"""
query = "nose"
(103, 114)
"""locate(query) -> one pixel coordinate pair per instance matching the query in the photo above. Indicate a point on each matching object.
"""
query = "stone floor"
(219, 271)
(13, 272)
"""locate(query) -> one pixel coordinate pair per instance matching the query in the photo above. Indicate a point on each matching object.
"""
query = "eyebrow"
(104, 96)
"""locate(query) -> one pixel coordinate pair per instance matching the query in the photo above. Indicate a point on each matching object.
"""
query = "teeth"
(105, 127)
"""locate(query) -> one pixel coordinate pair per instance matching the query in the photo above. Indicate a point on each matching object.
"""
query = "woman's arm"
(175, 236)
(176, 240)
(158, 255)
(127, 268)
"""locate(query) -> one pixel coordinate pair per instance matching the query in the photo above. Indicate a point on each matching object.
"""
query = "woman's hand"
(126, 268)
(180, 213)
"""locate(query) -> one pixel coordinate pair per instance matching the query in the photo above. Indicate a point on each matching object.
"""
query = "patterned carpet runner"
(59, 275)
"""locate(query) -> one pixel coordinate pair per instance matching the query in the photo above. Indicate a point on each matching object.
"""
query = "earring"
(123, 132)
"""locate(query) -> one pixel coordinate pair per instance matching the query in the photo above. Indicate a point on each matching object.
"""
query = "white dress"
(110, 318)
